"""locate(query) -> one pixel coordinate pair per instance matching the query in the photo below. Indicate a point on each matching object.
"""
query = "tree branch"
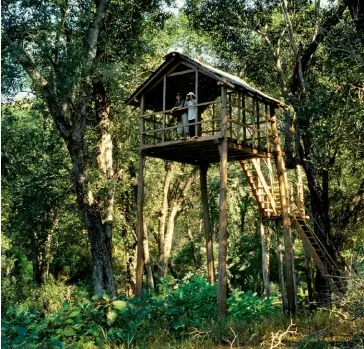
(93, 35)
(48, 90)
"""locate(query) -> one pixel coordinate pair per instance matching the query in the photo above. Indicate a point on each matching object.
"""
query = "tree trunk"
(175, 209)
(207, 225)
(243, 211)
(147, 264)
(130, 254)
(308, 276)
(264, 239)
(163, 216)
(282, 287)
(190, 237)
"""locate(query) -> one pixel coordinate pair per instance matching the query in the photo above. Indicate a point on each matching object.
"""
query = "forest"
(205, 265)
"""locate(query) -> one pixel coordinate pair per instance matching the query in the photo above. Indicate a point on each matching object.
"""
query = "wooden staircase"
(264, 185)
(319, 254)
(266, 193)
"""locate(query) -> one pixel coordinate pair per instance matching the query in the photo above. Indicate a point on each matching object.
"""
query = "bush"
(249, 307)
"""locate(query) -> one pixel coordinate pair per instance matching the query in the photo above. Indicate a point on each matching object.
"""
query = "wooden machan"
(234, 122)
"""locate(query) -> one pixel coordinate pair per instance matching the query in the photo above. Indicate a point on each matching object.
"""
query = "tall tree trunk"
(190, 237)
(207, 225)
(264, 239)
(282, 287)
(147, 264)
(308, 276)
(175, 208)
(130, 256)
(163, 215)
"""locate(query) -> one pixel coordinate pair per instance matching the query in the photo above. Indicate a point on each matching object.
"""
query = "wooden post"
(197, 119)
(142, 121)
(164, 107)
(266, 127)
(221, 291)
(258, 123)
(207, 224)
(230, 120)
(300, 192)
(244, 118)
(239, 117)
(288, 247)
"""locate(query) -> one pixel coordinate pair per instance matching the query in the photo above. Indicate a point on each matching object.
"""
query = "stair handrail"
(320, 243)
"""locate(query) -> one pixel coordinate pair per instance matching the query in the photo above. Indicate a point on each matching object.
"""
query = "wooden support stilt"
(221, 291)
(207, 225)
(288, 247)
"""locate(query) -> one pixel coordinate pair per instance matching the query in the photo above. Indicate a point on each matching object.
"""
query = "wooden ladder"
(318, 252)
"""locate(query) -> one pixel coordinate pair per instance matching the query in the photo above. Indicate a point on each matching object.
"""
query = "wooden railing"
(249, 123)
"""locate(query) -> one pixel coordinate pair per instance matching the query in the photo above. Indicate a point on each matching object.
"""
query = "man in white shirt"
(192, 111)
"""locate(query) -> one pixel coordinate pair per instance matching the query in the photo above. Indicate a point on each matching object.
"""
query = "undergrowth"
(178, 316)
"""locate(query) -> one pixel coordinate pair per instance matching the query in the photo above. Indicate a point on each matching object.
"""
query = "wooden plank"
(169, 110)
(207, 225)
(175, 126)
(222, 282)
(182, 72)
(140, 218)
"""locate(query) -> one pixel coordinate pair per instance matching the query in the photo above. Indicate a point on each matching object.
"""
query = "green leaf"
(21, 331)
(177, 324)
(111, 316)
(75, 313)
(119, 305)
(69, 332)
(56, 343)
(106, 297)
(65, 305)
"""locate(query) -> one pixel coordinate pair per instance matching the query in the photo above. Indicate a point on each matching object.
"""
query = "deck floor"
(198, 150)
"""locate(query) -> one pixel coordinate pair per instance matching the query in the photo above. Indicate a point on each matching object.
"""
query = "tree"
(68, 50)
(36, 188)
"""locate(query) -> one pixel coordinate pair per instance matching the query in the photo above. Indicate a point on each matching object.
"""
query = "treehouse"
(233, 122)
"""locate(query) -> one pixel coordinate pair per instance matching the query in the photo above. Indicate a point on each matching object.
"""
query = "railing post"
(258, 122)
(142, 121)
(244, 118)
(239, 117)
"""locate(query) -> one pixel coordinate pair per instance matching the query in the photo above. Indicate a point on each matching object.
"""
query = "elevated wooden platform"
(203, 150)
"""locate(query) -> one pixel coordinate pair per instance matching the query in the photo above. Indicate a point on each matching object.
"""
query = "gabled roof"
(233, 82)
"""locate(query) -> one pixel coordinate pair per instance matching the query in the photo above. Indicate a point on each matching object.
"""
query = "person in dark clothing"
(181, 116)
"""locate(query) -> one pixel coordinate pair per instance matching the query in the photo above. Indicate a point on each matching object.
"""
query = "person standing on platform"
(192, 111)
(181, 116)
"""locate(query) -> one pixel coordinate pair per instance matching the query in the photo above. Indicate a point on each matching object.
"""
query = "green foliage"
(101, 320)
(250, 307)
